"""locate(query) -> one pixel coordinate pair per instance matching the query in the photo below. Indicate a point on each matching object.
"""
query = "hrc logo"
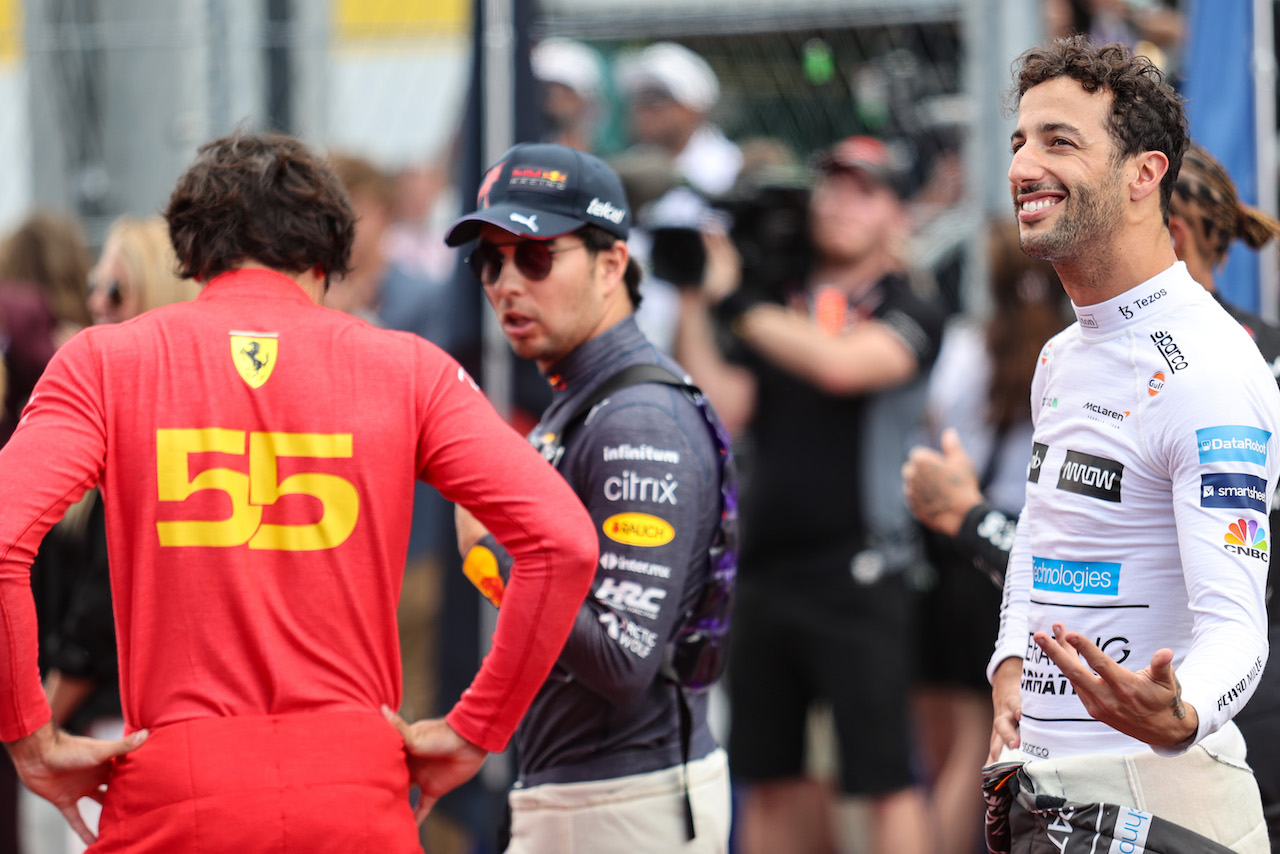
(254, 355)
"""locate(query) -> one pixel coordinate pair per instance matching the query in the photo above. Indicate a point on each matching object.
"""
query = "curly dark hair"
(1146, 112)
(260, 197)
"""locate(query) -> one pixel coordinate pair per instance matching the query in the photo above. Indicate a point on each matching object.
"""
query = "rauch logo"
(638, 529)
(1246, 538)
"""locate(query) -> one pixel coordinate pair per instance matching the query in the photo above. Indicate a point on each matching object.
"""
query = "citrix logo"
(632, 487)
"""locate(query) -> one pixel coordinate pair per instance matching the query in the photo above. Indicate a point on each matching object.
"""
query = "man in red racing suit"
(256, 455)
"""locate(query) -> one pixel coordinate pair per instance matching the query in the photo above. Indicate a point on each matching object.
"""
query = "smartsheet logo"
(1233, 491)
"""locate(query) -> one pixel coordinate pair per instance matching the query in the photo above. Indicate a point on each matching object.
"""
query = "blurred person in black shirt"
(825, 375)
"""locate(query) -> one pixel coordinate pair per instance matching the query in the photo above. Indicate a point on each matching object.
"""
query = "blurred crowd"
(856, 709)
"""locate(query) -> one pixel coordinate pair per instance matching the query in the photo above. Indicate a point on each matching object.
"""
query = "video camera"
(768, 222)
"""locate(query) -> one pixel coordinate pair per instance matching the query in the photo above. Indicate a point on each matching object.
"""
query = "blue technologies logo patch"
(1097, 578)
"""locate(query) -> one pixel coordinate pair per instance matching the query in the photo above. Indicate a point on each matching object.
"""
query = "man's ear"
(613, 262)
(1181, 234)
(1151, 168)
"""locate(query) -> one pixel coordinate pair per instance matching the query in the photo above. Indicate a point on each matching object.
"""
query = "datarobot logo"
(1231, 443)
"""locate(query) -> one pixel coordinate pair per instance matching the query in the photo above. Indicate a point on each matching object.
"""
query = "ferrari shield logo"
(254, 355)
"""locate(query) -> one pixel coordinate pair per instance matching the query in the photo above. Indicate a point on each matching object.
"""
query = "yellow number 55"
(259, 488)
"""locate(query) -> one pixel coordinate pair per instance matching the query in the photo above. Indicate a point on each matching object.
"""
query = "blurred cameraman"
(824, 372)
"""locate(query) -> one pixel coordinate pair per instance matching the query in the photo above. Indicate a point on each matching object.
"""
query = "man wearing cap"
(605, 760)
(671, 91)
(826, 376)
(569, 72)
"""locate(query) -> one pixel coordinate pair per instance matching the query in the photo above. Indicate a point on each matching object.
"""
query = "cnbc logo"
(1247, 539)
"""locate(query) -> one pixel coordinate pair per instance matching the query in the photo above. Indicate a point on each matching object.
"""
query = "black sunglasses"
(112, 289)
(533, 259)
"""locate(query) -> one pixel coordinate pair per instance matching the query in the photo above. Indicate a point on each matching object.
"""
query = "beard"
(1090, 215)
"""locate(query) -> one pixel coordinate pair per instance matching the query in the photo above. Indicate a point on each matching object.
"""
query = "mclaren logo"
(254, 355)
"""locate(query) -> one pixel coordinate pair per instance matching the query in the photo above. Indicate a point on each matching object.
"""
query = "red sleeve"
(475, 459)
(56, 453)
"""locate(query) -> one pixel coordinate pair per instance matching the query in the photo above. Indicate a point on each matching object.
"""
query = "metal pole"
(1264, 105)
(497, 135)
(498, 92)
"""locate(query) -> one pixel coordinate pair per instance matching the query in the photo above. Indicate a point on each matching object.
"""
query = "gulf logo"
(1155, 385)
(638, 529)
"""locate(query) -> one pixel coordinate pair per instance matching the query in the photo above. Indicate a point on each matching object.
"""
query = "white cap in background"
(673, 69)
(569, 63)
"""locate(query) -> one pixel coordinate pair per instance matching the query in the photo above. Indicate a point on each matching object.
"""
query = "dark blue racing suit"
(644, 464)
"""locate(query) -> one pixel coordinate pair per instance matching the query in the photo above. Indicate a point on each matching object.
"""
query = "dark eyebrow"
(1047, 128)
(1054, 127)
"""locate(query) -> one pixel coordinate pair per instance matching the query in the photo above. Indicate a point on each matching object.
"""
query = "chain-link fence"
(104, 102)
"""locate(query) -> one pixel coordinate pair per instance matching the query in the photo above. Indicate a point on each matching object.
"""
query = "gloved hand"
(481, 568)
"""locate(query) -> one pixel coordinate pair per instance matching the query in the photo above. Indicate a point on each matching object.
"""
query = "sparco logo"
(604, 210)
(1172, 355)
(640, 452)
(1096, 477)
(1038, 450)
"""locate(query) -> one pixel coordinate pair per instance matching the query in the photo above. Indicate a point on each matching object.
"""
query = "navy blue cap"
(541, 190)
